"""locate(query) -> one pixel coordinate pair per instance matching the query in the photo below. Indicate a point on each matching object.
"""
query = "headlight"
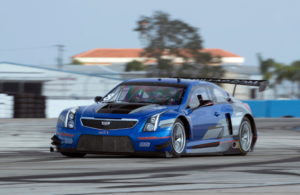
(70, 118)
(152, 123)
(70, 124)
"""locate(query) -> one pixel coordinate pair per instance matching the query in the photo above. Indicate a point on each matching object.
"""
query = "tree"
(266, 67)
(270, 71)
(166, 39)
(295, 69)
(164, 68)
(134, 66)
(76, 62)
(189, 70)
(278, 72)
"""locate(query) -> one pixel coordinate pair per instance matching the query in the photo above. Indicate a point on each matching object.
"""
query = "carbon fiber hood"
(123, 109)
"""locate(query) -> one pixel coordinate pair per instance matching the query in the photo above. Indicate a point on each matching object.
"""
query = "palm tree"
(295, 69)
(271, 70)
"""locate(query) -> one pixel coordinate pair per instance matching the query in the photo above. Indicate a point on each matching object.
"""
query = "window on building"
(10, 87)
(33, 88)
(21, 87)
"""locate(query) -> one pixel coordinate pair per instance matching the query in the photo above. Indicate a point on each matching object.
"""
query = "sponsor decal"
(145, 144)
(67, 141)
(103, 132)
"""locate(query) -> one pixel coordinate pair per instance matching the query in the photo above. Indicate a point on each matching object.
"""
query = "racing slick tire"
(178, 139)
(73, 155)
(245, 137)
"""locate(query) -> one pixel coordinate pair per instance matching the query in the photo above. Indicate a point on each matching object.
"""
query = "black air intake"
(99, 143)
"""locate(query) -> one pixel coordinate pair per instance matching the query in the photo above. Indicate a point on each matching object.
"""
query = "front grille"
(109, 124)
(99, 143)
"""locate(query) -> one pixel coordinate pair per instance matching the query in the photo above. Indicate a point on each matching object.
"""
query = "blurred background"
(62, 53)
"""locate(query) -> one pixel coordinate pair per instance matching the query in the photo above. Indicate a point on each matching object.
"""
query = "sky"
(31, 29)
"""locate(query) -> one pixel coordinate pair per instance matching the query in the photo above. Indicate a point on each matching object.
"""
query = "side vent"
(229, 124)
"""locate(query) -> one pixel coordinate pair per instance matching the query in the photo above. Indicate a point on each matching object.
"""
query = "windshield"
(164, 95)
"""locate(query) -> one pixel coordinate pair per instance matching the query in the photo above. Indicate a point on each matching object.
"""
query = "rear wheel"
(245, 137)
(73, 155)
(178, 139)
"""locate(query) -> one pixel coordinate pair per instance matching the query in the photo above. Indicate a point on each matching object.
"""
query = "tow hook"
(55, 140)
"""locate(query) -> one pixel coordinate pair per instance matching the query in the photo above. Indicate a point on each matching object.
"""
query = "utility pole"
(60, 55)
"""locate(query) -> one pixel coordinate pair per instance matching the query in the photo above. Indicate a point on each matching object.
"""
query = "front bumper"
(111, 141)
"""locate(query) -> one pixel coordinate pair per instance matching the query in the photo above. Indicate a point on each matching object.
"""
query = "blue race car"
(168, 116)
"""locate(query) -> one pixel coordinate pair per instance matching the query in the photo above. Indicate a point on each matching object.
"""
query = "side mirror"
(204, 102)
(200, 99)
(98, 99)
(207, 103)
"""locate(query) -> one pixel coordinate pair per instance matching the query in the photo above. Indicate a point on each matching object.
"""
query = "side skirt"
(211, 145)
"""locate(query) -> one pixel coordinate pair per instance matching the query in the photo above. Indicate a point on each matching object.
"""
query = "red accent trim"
(147, 138)
(235, 140)
(247, 106)
(66, 134)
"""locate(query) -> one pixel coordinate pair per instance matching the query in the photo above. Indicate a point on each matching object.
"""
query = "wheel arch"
(187, 126)
(253, 127)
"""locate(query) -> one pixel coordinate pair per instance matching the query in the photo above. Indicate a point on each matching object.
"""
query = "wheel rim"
(246, 136)
(178, 138)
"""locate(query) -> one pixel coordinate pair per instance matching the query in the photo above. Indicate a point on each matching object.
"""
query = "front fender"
(168, 118)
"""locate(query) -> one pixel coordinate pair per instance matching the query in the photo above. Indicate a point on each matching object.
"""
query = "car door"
(203, 118)
(223, 108)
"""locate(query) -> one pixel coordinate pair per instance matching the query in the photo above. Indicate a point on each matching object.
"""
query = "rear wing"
(261, 84)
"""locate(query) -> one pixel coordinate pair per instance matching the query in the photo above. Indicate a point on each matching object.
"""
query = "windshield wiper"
(145, 102)
(115, 102)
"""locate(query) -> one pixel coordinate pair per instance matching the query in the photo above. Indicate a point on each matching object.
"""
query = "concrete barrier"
(274, 108)
(6, 106)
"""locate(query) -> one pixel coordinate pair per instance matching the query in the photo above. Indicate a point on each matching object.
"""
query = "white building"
(102, 56)
(69, 82)
(38, 91)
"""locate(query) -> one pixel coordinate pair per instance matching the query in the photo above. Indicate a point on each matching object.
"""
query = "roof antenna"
(178, 80)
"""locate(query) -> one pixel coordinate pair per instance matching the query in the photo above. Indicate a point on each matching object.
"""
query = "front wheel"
(245, 137)
(178, 139)
(73, 155)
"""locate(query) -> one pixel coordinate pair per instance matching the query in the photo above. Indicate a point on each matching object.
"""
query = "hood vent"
(117, 108)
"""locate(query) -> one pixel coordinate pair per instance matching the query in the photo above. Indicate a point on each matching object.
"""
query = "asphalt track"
(27, 166)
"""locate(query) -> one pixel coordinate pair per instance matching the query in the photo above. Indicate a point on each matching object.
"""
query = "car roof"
(166, 81)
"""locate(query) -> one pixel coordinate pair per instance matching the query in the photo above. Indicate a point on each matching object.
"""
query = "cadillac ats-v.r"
(166, 116)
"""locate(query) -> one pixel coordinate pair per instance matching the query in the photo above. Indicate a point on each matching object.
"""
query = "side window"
(219, 96)
(194, 101)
